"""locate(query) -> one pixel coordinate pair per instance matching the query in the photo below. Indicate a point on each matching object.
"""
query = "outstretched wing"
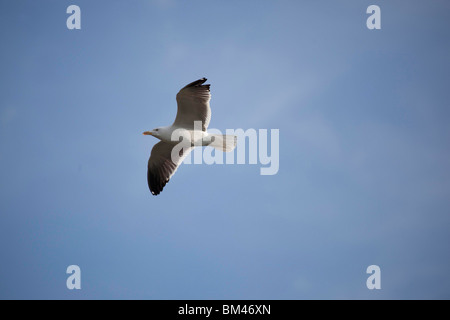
(193, 105)
(161, 166)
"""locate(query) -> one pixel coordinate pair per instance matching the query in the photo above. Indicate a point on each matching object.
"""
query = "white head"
(155, 132)
(162, 133)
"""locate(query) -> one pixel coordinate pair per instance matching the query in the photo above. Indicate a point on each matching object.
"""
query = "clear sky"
(364, 174)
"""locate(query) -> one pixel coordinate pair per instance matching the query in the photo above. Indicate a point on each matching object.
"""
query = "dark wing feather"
(161, 166)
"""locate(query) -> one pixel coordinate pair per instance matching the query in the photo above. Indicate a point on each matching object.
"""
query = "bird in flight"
(192, 119)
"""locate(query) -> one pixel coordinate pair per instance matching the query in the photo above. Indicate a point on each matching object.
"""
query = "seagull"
(193, 117)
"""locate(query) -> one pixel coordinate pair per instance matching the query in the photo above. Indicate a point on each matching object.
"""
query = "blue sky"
(364, 173)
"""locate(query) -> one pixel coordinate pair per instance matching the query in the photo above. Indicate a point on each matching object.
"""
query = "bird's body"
(197, 137)
(191, 123)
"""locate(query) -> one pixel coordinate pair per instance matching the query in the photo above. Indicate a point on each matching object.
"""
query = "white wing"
(193, 105)
(161, 166)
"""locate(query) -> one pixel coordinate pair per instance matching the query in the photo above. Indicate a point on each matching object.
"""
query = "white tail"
(223, 142)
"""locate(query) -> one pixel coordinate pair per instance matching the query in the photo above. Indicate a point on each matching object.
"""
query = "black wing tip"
(198, 83)
(157, 189)
(155, 184)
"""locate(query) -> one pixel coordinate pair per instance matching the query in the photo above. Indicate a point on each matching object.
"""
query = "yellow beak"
(147, 133)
